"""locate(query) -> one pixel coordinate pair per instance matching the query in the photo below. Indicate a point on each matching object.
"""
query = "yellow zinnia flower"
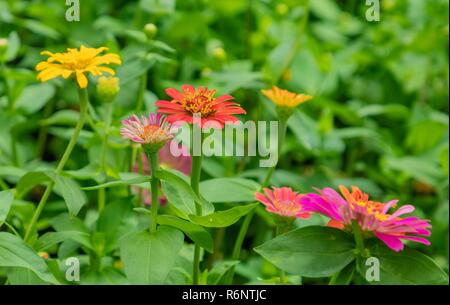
(285, 98)
(77, 62)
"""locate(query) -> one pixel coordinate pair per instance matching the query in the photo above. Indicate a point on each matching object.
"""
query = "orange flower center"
(154, 134)
(200, 101)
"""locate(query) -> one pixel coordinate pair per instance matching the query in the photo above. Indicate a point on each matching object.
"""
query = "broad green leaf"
(34, 97)
(111, 220)
(71, 192)
(52, 238)
(180, 198)
(223, 218)
(178, 180)
(136, 180)
(31, 179)
(229, 190)
(15, 253)
(6, 199)
(310, 251)
(195, 232)
(407, 267)
(148, 257)
(65, 222)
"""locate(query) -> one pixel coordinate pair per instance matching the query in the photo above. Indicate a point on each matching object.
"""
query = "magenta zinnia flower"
(282, 201)
(372, 216)
(153, 132)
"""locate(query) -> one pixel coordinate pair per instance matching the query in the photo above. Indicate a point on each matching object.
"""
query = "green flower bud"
(219, 53)
(107, 88)
(150, 30)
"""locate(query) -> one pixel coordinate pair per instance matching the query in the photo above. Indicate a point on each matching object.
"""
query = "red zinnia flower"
(199, 101)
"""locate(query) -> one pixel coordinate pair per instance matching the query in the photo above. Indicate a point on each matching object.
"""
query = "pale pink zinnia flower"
(167, 160)
(282, 201)
(371, 216)
(152, 131)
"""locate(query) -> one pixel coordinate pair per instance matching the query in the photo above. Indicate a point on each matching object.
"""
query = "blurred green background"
(379, 118)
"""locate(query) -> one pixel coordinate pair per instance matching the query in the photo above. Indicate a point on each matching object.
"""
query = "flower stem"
(62, 162)
(358, 238)
(107, 118)
(141, 92)
(279, 231)
(153, 157)
(195, 184)
(282, 128)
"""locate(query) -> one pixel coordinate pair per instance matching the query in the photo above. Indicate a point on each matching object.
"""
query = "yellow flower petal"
(81, 79)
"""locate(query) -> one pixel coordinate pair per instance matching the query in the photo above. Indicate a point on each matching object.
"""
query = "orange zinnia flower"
(202, 102)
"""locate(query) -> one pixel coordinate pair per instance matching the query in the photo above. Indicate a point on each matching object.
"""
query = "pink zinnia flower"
(200, 101)
(282, 201)
(183, 163)
(371, 216)
(153, 132)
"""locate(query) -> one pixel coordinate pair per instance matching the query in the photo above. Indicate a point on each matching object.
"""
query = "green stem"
(279, 231)
(358, 238)
(334, 278)
(141, 92)
(153, 157)
(195, 184)
(62, 162)
(282, 128)
(107, 118)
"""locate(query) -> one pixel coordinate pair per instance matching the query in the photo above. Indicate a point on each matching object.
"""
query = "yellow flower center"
(200, 101)
(287, 207)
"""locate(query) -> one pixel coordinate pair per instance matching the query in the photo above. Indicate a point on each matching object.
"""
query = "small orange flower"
(285, 98)
(76, 62)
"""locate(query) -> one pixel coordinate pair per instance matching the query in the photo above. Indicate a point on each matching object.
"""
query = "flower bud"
(219, 53)
(150, 30)
(282, 9)
(107, 88)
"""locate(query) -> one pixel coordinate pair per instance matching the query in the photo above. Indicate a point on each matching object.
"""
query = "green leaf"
(136, 180)
(406, 267)
(34, 97)
(63, 117)
(219, 270)
(111, 220)
(223, 218)
(181, 198)
(345, 275)
(52, 238)
(310, 251)
(72, 194)
(15, 253)
(195, 232)
(134, 69)
(179, 181)
(13, 46)
(6, 199)
(31, 179)
(229, 190)
(148, 257)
